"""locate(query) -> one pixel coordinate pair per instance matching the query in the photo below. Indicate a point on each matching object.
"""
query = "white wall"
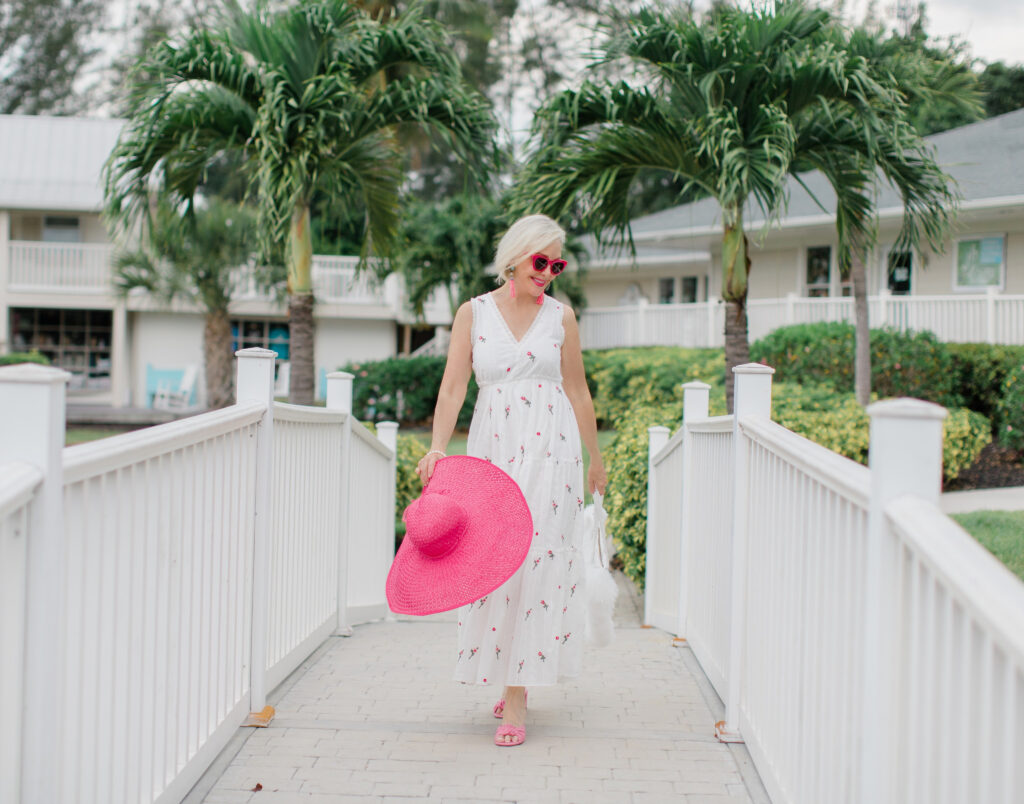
(167, 341)
(340, 340)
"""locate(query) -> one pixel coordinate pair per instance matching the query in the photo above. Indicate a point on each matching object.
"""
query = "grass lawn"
(1001, 533)
(457, 446)
(79, 435)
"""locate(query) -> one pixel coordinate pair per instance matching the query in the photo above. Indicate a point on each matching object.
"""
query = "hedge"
(402, 389)
(902, 364)
(23, 357)
(979, 373)
(1010, 410)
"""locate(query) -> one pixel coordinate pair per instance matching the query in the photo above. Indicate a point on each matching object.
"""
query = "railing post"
(5, 276)
(696, 397)
(883, 307)
(990, 314)
(387, 434)
(905, 457)
(791, 308)
(657, 437)
(753, 397)
(641, 321)
(339, 398)
(32, 399)
(254, 382)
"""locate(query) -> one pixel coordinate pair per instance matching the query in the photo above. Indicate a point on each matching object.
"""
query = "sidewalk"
(376, 718)
(963, 502)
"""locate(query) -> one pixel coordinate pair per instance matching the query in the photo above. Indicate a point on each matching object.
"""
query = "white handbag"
(600, 588)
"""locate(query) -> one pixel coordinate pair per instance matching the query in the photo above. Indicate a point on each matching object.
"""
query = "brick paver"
(375, 717)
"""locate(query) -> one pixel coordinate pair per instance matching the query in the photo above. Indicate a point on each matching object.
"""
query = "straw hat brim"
(495, 544)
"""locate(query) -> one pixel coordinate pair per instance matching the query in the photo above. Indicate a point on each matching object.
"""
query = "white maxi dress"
(529, 631)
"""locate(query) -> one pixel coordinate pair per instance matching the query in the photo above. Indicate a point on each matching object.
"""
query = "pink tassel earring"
(512, 285)
(540, 299)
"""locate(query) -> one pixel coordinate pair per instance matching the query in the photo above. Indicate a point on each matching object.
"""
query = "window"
(980, 263)
(689, 289)
(57, 229)
(77, 341)
(273, 335)
(666, 290)
(819, 262)
(899, 268)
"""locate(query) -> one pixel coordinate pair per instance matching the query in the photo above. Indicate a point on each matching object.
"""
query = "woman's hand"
(597, 479)
(425, 468)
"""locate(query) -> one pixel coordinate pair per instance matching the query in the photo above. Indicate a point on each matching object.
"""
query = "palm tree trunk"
(300, 307)
(862, 361)
(735, 271)
(220, 375)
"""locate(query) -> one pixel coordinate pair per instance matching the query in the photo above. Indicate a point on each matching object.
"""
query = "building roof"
(983, 158)
(54, 163)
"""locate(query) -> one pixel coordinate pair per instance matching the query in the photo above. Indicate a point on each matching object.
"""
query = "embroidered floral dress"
(529, 631)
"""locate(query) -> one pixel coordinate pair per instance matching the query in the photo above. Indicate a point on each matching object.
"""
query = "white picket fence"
(157, 584)
(867, 649)
(977, 318)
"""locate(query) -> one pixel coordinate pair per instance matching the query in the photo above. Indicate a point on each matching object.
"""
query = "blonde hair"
(526, 236)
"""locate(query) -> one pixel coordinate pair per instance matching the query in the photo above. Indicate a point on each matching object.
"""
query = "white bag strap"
(600, 517)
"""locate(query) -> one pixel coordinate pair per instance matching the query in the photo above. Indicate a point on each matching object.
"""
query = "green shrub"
(651, 376)
(965, 434)
(1010, 410)
(979, 371)
(902, 364)
(402, 389)
(626, 501)
(24, 357)
(821, 415)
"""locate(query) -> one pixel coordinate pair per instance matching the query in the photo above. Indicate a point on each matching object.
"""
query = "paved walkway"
(375, 717)
(962, 502)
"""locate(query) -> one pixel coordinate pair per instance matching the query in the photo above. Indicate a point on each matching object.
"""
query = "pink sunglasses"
(540, 262)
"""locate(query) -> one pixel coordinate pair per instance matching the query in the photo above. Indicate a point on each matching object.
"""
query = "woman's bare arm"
(574, 380)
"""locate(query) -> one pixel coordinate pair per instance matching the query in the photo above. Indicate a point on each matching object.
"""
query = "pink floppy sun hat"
(466, 534)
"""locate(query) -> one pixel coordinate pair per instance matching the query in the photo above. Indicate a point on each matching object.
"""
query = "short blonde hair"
(526, 236)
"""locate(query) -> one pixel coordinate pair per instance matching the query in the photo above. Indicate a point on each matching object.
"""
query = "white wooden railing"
(867, 649)
(63, 267)
(984, 318)
(159, 583)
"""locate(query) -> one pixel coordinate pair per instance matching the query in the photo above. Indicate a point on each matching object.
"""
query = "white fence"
(988, 318)
(868, 650)
(157, 584)
(64, 267)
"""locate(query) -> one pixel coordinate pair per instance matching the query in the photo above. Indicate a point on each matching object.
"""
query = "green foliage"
(620, 379)
(24, 357)
(902, 364)
(965, 434)
(408, 486)
(979, 371)
(403, 389)
(626, 501)
(823, 416)
(1011, 409)
(45, 47)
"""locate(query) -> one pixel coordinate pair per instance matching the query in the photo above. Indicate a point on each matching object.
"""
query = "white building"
(56, 294)
(971, 290)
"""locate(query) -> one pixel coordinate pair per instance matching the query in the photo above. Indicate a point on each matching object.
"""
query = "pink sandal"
(518, 733)
(499, 707)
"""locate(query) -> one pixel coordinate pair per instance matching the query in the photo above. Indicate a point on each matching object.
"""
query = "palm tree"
(731, 108)
(192, 256)
(299, 92)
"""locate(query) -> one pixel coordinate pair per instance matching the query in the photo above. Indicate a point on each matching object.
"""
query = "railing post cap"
(658, 428)
(753, 368)
(256, 351)
(34, 373)
(696, 385)
(386, 425)
(906, 408)
(340, 375)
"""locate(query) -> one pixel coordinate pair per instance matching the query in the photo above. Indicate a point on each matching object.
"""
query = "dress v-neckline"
(508, 329)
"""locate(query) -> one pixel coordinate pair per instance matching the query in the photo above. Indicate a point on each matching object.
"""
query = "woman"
(533, 408)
